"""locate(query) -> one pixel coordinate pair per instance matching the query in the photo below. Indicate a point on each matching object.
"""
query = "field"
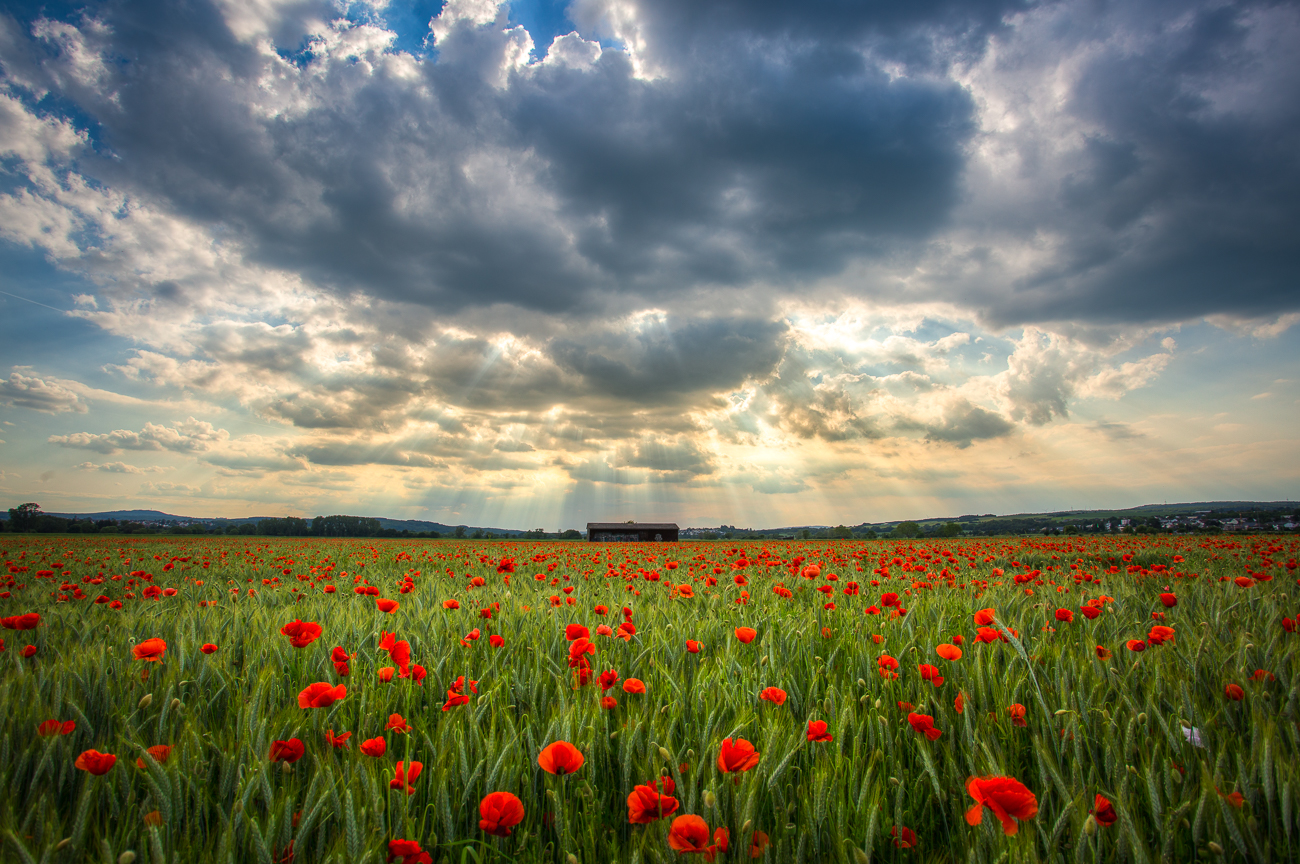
(931, 665)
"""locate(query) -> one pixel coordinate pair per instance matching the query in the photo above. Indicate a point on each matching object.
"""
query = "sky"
(742, 262)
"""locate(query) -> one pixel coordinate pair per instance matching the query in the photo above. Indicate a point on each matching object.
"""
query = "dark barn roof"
(631, 526)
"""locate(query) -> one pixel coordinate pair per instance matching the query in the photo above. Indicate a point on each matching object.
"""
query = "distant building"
(631, 532)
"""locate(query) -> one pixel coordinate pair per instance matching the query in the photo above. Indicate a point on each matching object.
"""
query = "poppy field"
(241, 700)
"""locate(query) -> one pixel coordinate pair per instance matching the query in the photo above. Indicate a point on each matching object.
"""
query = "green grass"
(1113, 727)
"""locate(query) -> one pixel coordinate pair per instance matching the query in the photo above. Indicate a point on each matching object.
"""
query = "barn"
(631, 532)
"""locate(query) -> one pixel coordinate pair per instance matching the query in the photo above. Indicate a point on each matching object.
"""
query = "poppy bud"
(860, 857)
(690, 755)
(1090, 826)
(176, 703)
(1215, 848)
(127, 857)
(877, 703)
(572, 859)
(1132, 770)
(1142, 718)
(145, 701)
(862, 683)
(763, 660)
(482, 699)
(709, 799)
(62, 843)
(663, 752)
(744, 829)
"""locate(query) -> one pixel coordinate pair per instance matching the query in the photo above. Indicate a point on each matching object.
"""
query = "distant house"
(631, 532)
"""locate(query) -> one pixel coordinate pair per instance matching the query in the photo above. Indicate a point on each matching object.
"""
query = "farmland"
(271, 701)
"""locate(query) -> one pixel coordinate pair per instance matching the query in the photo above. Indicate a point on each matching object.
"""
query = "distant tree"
(477, 535)
(23, 517)
(839, 532)
(460, 532)
(805, 534)
(949, 529)
(870, 535)
(906, 529)
(571, 534)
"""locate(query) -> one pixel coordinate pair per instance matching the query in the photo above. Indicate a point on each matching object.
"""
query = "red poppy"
(374, 747)
(28, 651)
(1234, 692)
(604, 630)
(150, 649)
(1103, 653)
(321, 695)
(385, 673)
(745, 635)
(401, 653)
(301, 633)
(984, 617)
(496, 641)
(1005, 796)
(931, 674)
(1161, 634)
(338, 742)
(633, 685)
(693, 646)
(608, 703)
(95, 762)
(959, 703)
(387, 606)
(450, 604)
(924, 724)
(817, 731)
(501, 811)
(1170, 601)
(287, 751)
(1017, 712)
(22, 622)
(690, 834)
(775, 695)
(54, 727)
(576, 631)
(988, 635)
(646, 804)
(1136, 645)
(757, 844)
(208, 648)
(948, 652)
(1090, 612)
(409, 851)
(560, 757)
(737, 756)
(904, 839)
(403, 776)
(888, 600)
(1065, 615)
(397, 724)
(159, 752)
(1103, 811)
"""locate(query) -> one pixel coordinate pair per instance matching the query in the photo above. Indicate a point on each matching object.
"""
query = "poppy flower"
(1005, 796)
(576, 631)
(721, 839)
(633, 685)
(757, 844)
(54, 727)
(626, 631)
(745, 635)
(930, 673)
(609, 703)
(397, 724)
(690, 834)
(1065, 615)
(948, 652)
(607, 679)
(374, 747)
(1169, 601)
(959, 703)
(817, 731)
(1103, 811)
(1136, 645)
(95, 762)
(1234, 692)
(1090, 612)
(737, 756)
(693, 646)
(450, 604)
(338, 742)
(560, 757)
(1017, 712)
(208, 648)
(287, 751)
(496, 641)
(159, 752)
(1236, 799)
(886, 666)
(904, 839)
(646, 804)
(387, 606)
(404, 776)
(775, 695)
(984, 617)
(385, 673)
(924, 724)
(409, 851)
(22, 622)
(501, 811)
(1161, 634)
(988, 635)
(888, 600)
(1103, 653)
(401, 653)
(604, 630)
(150, 649)
(321, 695)
(301, 633)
